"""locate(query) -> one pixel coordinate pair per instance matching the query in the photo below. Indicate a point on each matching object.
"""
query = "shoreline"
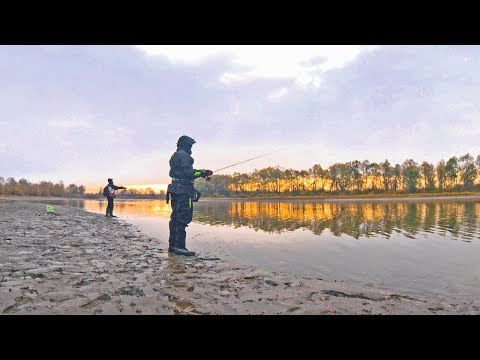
(354, 199)
(77, 262)
(339, 198)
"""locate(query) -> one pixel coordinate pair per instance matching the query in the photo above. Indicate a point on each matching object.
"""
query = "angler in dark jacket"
(109, 192)
(183, 194)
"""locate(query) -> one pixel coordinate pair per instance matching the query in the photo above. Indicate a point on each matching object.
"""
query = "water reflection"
(132, 207)
(458, 220)
(454, 219)
(261, 233)
(121, 207)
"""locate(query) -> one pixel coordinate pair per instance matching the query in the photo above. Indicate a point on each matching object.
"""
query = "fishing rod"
(241, 162)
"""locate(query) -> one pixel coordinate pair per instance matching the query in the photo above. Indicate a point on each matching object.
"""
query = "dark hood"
(186, 148)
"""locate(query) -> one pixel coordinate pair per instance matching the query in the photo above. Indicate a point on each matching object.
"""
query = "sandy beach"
(75, 262)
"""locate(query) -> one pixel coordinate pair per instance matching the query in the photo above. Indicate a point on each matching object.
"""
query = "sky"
(82, 114)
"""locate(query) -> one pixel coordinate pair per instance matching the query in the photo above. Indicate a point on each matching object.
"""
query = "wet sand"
(75, 262)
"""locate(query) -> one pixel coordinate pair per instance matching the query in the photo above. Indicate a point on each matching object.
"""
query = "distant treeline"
(353, 177)
(23, 187)
(147, 193)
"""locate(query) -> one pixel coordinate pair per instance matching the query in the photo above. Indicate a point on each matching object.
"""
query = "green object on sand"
(50, 209)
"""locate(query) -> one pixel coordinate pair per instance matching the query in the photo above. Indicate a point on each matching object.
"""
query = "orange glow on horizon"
(155, 187)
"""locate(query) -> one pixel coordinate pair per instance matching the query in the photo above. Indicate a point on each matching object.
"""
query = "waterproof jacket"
(112, 188)
(182, 172)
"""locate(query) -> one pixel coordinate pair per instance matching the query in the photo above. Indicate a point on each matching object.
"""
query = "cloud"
(277, 94)
(70, 124)
(304, 64)
(82, 113)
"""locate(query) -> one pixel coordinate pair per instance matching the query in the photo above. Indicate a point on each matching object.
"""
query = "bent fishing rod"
(241, 162)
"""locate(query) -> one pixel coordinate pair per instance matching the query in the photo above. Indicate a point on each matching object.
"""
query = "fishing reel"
(209, 176)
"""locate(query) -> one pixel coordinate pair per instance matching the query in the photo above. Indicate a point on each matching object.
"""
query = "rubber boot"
(180, 237)
(171, 238)
(184, 252)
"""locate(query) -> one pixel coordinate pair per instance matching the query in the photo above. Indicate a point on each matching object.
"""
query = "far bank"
(319, 198)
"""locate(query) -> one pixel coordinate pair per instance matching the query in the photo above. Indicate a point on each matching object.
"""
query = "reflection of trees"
(359, 219)
(469, 221)
(451, 223)
(412, 222)
(429, 219)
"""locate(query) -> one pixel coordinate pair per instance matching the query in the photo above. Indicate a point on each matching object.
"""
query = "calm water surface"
(427, 246)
